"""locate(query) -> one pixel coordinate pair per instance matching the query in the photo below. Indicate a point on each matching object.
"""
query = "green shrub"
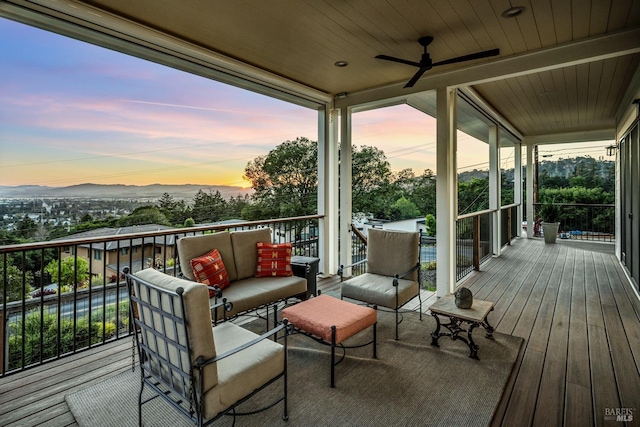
(431, 265)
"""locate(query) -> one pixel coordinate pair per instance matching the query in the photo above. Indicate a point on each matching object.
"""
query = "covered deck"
(571, 302)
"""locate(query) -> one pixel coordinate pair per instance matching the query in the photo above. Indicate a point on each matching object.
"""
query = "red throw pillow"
(209, 270)
(274, 260)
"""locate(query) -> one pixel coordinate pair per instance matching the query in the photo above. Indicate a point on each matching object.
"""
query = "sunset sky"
(73, 113)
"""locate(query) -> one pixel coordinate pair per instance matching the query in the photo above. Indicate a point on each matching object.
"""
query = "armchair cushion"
(376, 289)
(243, 372)
(391, 253)
(209, 269)
(274, 260)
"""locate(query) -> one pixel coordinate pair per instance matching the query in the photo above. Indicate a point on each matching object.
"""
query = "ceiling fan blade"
(477, 55)
(416, 77)
(400, 60)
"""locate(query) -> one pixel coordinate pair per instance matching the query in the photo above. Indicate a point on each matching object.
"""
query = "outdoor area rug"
(411, 383)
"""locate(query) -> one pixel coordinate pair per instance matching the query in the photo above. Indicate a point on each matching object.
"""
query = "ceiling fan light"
(514, 11)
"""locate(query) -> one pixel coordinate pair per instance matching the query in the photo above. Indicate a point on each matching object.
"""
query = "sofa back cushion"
(190, 247)
(245, 250)
(392, 252)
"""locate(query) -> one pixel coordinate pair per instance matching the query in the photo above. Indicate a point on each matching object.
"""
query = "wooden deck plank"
(626, 372)
(493, 273)
(578, 398)
(628, 315)
(504, 293)
(520, 410)
(511, 317)
(578, 350)
(605, 390)
(592, 297)
(57, 415)
(551, 390)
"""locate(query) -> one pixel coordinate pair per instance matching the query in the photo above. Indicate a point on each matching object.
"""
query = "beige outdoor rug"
(410, 384)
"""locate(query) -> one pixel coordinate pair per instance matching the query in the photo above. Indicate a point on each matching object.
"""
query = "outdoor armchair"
(203, 371)
(392, 276)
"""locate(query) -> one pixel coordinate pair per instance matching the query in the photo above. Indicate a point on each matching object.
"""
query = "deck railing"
(580, 221)
(473, 241)
(40, 321)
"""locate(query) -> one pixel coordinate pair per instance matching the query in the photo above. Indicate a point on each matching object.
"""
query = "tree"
(208, 207)
(175, 211)
(473, 195)
(285, 181)
(403, 208)
(26, 228)
(72, 271)
(424, 192)
(144, 215)
(430, 225)
(371, 179)
(13, 284)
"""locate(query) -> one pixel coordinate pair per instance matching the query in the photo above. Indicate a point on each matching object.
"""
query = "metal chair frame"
(183, 386)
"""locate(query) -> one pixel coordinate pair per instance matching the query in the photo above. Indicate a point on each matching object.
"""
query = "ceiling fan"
(426, 64)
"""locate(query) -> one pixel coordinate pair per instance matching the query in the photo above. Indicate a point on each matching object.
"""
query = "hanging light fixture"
(611, 150)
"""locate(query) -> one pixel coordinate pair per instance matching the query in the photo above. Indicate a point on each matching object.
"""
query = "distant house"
(111, 257)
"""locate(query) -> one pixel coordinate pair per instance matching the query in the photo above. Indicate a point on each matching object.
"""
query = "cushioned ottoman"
(332, 321)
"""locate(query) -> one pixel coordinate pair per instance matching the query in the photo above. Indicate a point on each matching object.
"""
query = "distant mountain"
(119, 191)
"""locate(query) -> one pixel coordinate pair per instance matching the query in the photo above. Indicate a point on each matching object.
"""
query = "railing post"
(476, 242)
(2, 340)
(509, 235)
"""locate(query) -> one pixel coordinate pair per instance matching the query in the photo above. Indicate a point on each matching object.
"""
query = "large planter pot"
(550, 231)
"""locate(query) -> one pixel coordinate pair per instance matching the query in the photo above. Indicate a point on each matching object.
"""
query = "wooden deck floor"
(574, 307)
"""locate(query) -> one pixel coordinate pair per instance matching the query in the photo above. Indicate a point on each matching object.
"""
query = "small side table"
(307, 267)
(474, 317)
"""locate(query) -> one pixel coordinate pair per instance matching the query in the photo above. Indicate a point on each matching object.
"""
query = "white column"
(345, 188)
(529, 191)
(494, 188)
(446, 191)
(328, 190)
(517, 186)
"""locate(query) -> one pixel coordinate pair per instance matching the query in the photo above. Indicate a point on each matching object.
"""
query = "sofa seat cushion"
(253, 292)
(242, 372)
(379, 290)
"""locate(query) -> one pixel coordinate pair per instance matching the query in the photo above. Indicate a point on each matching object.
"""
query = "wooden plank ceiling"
(302, 40)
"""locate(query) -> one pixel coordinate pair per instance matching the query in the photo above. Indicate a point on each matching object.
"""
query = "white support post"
(345, 188)
(494, 188)
(446, 191)
(530, 178)
(517, 186)
(328, 190)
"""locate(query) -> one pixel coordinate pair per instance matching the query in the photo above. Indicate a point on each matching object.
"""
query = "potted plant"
(549, 213)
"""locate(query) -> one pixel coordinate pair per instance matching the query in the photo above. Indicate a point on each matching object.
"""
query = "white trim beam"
(446, 191)
(494, 187)
(346, 174)
(517, 186)
(530, 178)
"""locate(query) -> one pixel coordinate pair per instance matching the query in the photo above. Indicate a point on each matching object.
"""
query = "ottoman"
(330, 321)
